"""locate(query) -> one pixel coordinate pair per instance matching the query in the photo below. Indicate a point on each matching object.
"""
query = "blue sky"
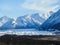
(16, 8)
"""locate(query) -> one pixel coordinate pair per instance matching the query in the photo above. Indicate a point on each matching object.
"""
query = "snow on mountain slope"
(46, 15)
(6, 22)
(26, 21)
(3, 20)
(14, 22)
(53, 21)
(29, 21)
(36, 18)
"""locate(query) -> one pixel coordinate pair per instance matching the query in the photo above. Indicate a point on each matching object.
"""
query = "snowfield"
(25, 32)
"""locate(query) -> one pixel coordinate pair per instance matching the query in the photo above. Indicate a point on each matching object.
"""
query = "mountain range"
(22, 22)
(32, 21)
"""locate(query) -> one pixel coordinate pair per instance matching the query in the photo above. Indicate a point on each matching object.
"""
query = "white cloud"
(41, 5)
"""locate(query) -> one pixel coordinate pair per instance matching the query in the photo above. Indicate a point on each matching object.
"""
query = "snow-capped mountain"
(29, 21)
(53, 22)
(6, 22)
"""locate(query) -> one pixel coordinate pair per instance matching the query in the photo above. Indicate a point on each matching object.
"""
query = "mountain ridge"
(27, 21)
(52, 22)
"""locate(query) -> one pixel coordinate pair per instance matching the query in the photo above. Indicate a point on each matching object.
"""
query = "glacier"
(29, 32)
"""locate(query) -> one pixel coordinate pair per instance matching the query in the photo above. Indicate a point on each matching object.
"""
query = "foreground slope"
(53, 22)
